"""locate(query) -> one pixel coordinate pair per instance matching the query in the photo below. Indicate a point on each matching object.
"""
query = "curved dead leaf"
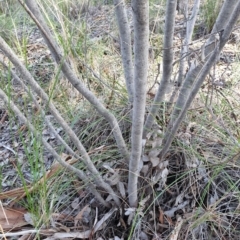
(64, 235)
(114, 179)
(121, 189)
(154, 152)
(99, 224)
(154, 161)
(145, 158)
(157, 142)
(83, 213)
(12, 218)
(164, 175)
(175, 232)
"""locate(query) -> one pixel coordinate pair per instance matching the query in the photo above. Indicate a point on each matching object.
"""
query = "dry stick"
(167, 64)
(32, 9)
(39, 108)
(224, 36)
(126, 46)
(85, 157)
(78, 172)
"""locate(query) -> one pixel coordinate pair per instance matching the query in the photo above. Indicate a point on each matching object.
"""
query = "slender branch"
(85, 157)
(70, 168)
(126, 46)
(195, 65)
(32, 9)
(224, 36)
(185, 48)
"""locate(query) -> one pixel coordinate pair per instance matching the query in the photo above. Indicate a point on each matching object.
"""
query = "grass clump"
(209, 12)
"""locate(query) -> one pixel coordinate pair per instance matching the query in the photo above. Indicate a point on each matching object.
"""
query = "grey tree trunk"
(167, 63)
(141, 37)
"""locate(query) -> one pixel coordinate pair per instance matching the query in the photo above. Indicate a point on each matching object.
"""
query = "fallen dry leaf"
(20, 193)
(64, 235)
(17, 192)
(161, 216)
(175, 232)
(85, 234)
(85, 210)
(12, 218)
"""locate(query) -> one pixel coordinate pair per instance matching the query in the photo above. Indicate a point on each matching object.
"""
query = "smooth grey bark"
(192, 20)
(126, 46)
(181, 6)
(35, 86)
(70, 168)
(141, 41)
(224, 36)
(167, 63)
(185, 90)
(32, 9)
